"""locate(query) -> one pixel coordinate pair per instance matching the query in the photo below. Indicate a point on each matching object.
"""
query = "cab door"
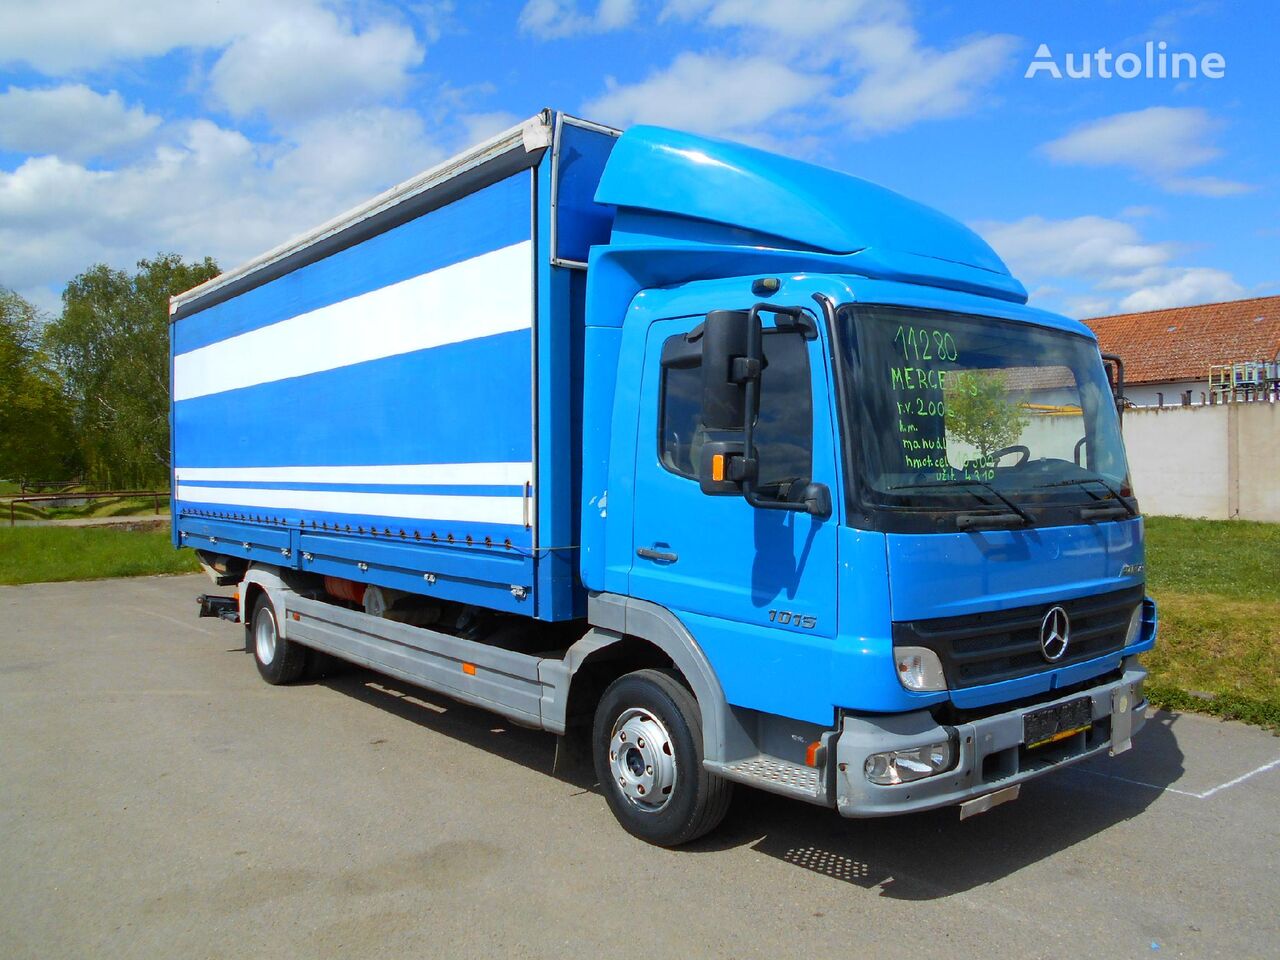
(755, 587)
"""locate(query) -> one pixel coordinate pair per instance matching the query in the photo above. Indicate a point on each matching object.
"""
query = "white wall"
(1147, 394)
(1218, 462)
(1258, 460)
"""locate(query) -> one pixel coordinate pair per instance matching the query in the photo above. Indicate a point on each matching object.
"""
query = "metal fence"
(156, 495)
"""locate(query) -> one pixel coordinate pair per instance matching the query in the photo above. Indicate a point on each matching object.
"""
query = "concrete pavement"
(158, 800)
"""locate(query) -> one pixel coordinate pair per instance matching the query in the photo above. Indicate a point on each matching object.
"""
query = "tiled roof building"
(1174, 349)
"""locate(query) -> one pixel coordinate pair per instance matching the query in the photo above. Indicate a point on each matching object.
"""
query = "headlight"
(903, 766)
(919, 669)
(1135, 626)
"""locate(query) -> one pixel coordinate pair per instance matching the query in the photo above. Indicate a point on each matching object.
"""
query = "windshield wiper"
(1081, 481)
(1017, 511)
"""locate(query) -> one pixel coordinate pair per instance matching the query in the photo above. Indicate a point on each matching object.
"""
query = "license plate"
(1051, 724)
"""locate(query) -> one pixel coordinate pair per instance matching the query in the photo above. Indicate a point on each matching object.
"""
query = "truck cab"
(887, 499)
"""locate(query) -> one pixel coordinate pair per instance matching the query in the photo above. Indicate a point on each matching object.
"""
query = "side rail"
(477, 673)
(484, 676)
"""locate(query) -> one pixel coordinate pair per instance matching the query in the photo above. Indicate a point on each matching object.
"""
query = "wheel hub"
(642, 759)
(264, 637)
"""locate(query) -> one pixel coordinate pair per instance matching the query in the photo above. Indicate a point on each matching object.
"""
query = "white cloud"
(290, 59)
(1158, 143)
(923, 84)
(552, 19)
(320, 71)
(1087, 306)
(355, 154)
(708, 94)
(783, 18)
(1109, 259)
(1206, 186)
(478, 127)
(1154, 140)
(212, 191)
(1091, 247)
(71, 121)
(614, 14)
(69, 35)
(292, 68)
(1180, 286)
(865, 56)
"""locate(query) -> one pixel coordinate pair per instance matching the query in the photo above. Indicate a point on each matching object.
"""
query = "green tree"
(981, 412)
(111, 345)
(36, 439)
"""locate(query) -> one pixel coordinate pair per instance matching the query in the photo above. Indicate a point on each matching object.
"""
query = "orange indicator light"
(811, 754)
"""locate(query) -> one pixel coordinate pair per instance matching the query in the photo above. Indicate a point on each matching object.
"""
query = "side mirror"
(1115, 376)
(815, 498)
(726, 368)
(732, 356)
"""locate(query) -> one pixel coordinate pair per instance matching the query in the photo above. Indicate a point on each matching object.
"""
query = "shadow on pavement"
(922, 856)
(931, 855)
(534, 749)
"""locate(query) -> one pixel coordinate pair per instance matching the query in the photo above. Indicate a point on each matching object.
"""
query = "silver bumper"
(991, 753)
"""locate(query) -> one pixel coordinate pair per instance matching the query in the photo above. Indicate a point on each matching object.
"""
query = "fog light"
(919, 669)
(903, 766)
(1135, 626)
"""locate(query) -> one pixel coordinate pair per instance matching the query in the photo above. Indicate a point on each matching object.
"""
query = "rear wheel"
(647, 747)
(279, 661)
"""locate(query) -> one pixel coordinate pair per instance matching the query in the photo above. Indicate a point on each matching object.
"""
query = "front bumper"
(992, 755)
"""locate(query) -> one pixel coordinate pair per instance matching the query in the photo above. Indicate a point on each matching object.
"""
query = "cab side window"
(784, 430)
(681, 402)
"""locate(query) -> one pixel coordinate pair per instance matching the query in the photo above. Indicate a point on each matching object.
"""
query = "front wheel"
(647, 748)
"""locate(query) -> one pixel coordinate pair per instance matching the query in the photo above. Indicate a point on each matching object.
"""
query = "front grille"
(1005, 644)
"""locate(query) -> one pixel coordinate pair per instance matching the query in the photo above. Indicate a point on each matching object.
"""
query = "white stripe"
(1203, 795)
(463, 474)
(505, 510)
(475, 298)
(1240, 779)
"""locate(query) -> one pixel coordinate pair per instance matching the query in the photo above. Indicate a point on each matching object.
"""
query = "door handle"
(661, 556)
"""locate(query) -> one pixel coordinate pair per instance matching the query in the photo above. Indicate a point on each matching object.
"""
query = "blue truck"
(723, 467)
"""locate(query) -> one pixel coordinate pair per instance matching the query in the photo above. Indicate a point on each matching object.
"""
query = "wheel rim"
(642, 759)
(264, 636)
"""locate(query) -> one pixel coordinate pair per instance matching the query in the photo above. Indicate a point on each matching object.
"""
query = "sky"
(224, 127)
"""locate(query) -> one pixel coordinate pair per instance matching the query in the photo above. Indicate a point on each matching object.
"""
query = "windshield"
(956, 412)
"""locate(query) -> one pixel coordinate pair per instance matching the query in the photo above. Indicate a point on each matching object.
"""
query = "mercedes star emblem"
(1055, 633)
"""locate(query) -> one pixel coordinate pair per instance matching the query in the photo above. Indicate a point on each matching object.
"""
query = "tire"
(646, 743)
(279, 661)
(324, 666)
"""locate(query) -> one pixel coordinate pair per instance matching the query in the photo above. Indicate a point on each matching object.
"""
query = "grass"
(40, 554)
(1219, 646)
(106, 507)
(1229, 558)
